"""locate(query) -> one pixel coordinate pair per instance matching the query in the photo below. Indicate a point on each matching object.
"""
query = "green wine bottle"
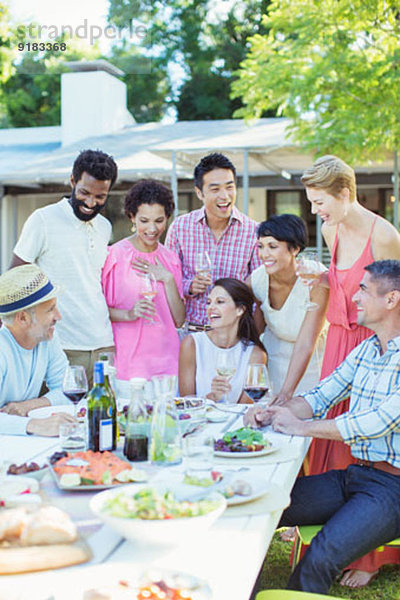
(107, 382)
(102, 415)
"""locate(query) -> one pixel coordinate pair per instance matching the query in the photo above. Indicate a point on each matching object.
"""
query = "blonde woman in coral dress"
(356, 237)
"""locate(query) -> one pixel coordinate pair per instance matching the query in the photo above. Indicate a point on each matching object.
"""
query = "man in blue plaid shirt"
(359, 506)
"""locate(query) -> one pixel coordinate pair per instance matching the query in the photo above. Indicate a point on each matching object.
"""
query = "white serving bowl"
(161, 532)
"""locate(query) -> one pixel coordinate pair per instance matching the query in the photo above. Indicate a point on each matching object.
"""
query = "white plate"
(216, 416)
(47, 411)
(13, 485)
(258, 485)
(262, 452)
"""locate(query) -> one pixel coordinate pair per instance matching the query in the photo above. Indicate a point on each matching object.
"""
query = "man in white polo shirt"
(68, 240)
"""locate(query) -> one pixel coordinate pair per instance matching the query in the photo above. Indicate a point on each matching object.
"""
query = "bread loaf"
(49, 525)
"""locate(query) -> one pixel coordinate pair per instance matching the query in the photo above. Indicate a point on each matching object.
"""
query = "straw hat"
(24, 287)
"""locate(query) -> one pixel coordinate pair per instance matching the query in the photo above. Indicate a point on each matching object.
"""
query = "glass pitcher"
(165, 445)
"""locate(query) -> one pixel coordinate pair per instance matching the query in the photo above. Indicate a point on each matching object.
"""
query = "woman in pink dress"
(356, 237)
(146, 341)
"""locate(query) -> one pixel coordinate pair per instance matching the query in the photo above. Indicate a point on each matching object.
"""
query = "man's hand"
(200, 283)
(21, 409)
(284, 421)
(257, 416)
(49, 427)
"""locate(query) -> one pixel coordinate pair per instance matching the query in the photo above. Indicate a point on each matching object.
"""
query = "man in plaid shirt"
(220, 229)
(359, 506)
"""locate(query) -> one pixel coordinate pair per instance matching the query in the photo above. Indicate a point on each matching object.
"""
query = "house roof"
(147, 149)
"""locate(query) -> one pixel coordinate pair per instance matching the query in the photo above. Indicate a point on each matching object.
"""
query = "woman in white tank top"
(233, 331)
(293, 337)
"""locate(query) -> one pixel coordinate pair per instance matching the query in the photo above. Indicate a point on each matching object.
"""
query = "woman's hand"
(219, 387)
(159, 271)
(280, 398)
(143, 309)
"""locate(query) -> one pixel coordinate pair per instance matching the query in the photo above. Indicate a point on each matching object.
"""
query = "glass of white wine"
(309, 270)
(149, 288)
(202, 264)
(226, 367)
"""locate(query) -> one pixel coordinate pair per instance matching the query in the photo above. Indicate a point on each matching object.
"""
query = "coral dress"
(343, 335)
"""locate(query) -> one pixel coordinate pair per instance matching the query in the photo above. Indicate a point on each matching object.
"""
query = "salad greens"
(244, 439)
(246, 435)
(150, 504)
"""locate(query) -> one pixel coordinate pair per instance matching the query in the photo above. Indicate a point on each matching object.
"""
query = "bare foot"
(355, 578)
(288, 535)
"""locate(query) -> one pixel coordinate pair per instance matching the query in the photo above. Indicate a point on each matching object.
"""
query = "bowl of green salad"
(158, 514)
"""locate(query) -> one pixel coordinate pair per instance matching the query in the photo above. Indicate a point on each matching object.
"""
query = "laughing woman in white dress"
(293, 337)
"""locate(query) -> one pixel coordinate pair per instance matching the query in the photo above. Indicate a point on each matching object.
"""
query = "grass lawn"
(276, 570)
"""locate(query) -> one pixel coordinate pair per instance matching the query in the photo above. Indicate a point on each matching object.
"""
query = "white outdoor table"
(228, 556)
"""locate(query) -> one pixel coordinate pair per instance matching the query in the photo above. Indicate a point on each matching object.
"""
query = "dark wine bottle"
(102, 415)
(137, 425)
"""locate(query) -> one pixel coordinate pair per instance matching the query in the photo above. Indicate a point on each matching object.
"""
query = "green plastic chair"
(305, 533)
(291, 595)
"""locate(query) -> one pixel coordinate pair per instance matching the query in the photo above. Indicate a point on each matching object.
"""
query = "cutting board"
(17, 559)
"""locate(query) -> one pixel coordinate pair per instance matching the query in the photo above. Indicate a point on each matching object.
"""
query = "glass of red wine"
(75, 384)
(257, 385)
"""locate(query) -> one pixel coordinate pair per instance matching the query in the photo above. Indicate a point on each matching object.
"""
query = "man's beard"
(75, 203)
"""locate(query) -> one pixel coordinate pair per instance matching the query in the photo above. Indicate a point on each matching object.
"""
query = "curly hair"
(96, 163)
(148, 191)
(209, 163)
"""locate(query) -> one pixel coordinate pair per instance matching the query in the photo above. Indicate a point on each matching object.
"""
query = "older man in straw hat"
(28, 353)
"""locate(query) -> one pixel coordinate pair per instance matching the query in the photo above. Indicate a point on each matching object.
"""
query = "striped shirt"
(233, 255)
(372, 424)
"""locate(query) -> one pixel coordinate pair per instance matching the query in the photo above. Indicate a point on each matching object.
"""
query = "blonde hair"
(331, 174)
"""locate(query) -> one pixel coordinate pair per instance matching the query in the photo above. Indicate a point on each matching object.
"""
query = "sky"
(72, 13)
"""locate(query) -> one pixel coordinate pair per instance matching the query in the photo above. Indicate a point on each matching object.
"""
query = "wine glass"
(202, 264)
(257, 385)
(149, 288)
(75, 384)
(309, 269)
(226, 367)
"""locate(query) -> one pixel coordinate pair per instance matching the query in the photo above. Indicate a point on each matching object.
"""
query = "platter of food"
(243, 443)
(85, 471)
(236, 487)
(152, 585)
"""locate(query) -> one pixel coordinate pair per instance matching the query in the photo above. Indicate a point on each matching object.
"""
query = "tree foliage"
(207, 47)
(32, 95)
(333, 67)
